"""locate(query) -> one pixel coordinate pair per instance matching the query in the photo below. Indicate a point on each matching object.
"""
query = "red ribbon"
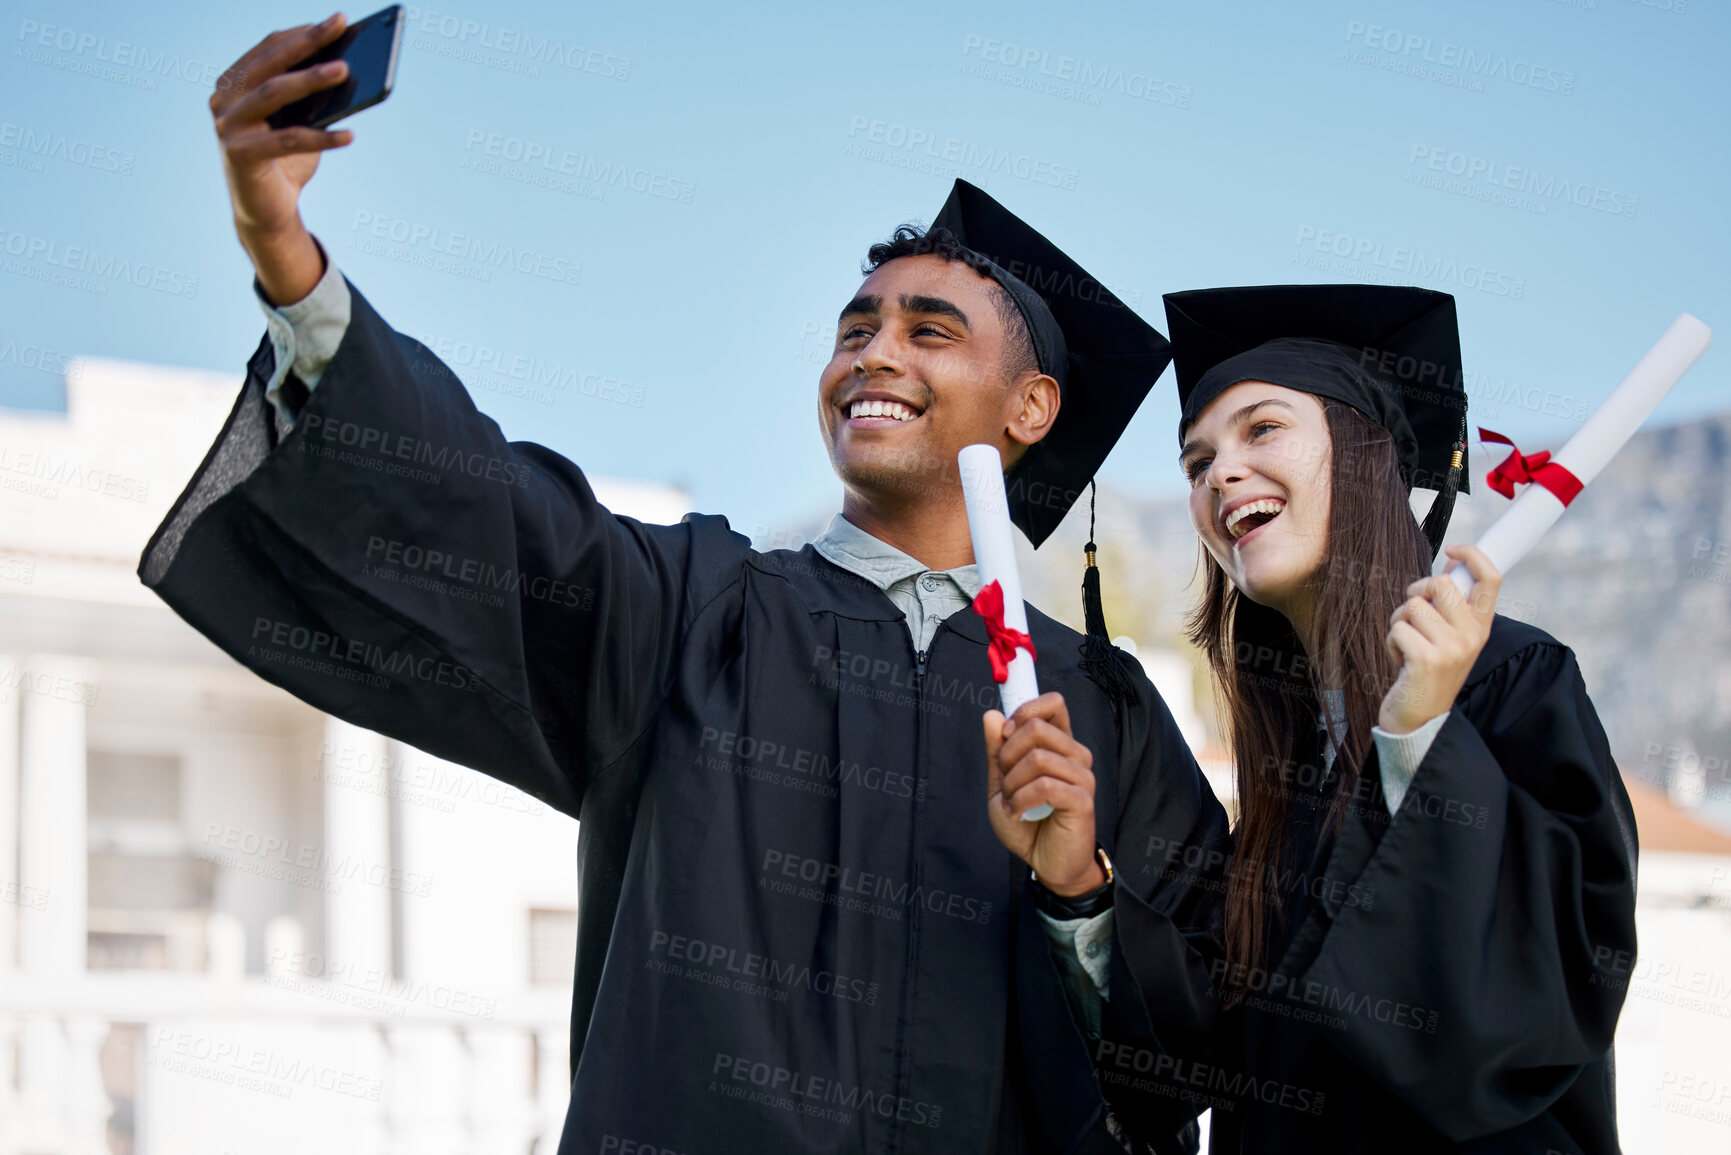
(1004, 642)
(1519, 468)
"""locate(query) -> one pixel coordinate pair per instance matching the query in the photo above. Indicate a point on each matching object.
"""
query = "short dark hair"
(912, 241)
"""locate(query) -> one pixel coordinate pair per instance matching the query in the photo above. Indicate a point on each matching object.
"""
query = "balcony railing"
(281, 1063)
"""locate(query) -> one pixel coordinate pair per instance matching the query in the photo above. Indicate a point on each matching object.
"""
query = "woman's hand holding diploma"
(1031, 758)
(1437, 634)
(1563, 475)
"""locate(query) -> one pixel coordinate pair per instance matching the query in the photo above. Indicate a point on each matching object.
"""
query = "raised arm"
(391, 558)
(1173, 846)
(1493, 962)
(266, 168)
(1143, 1001)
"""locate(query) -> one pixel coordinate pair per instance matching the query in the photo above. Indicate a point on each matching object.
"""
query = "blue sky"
(1560, 167)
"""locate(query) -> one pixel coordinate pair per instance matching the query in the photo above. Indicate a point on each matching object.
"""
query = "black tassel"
(1436, 519)
(1103, 662)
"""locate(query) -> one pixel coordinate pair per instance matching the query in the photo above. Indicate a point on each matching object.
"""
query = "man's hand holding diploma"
(1031, 758)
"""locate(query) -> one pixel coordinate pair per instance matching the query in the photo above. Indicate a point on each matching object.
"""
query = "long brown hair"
(1270, 689)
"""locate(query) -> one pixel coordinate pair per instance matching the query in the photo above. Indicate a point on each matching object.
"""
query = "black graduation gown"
(1455, 975)
(797, 931)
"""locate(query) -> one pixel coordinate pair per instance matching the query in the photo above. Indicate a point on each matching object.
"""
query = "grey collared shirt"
(305, 335)
(926, 596)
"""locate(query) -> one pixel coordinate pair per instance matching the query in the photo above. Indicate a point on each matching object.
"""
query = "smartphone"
(370, 47)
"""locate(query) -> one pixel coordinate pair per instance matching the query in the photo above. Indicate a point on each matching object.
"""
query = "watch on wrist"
(1085, 905)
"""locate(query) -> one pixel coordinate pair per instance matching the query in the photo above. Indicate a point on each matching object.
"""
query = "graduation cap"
(1104, 358)
(1393, 353)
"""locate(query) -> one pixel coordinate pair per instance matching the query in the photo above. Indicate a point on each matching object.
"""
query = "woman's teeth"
(893, 409)
(1238, 522)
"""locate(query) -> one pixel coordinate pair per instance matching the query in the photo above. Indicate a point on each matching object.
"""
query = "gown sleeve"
(1479, 960)
(1124, 1082)
(394, 561)
(1171, 847)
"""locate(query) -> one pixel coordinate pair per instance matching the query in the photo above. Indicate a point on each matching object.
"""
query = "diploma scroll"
(1536, 508)
(982, 471)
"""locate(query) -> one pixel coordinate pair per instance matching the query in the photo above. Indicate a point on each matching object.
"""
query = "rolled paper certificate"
(982, 472)
(1574, 466)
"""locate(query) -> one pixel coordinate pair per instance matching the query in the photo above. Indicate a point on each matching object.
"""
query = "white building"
(229, 923)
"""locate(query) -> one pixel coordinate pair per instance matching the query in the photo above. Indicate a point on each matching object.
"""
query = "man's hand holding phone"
(267, 167)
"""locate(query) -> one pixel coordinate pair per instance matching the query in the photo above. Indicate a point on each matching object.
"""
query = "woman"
(1430, 914)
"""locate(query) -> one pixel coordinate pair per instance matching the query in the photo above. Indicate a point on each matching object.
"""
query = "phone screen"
(370, 47)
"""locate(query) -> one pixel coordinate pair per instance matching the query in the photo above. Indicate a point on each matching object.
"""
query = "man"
(799, 927)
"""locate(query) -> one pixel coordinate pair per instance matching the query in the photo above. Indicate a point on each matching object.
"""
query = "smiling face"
(921, 369)
(1259, 461)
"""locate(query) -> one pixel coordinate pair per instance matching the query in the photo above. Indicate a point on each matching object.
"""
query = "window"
(150, 896)
(552, 947)
(134, 787)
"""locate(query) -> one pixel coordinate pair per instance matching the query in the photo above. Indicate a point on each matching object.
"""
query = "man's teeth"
(1235, 519)
(882, 409)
